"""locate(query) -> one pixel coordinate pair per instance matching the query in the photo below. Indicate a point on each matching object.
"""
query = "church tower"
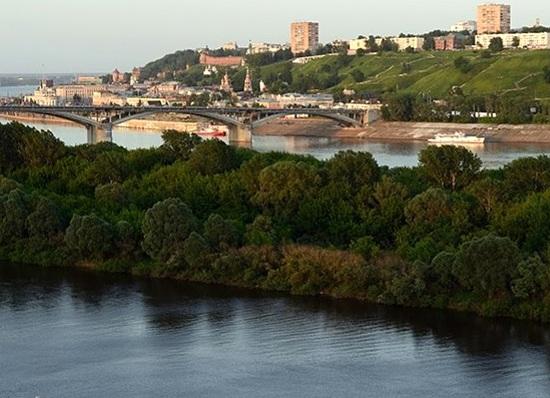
(226, 84)
(248, 82)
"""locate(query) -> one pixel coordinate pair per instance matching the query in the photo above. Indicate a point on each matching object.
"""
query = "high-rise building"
(493, 18)
(304, 36)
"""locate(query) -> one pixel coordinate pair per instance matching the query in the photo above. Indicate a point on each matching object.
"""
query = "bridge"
(241, 122)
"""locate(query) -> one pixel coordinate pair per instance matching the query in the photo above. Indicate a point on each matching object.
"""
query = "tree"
(546, 73)
(89, 237)
(399, 108)
(45, 223)
(479, 269)
(14, 210)
(194, 251)
(515, 42)
(463, 64)
(220, 233)
(213, 157)
(356, 169)
(449, 166)
(429, 44)
(284, 186)
(357, 75)
(179, 145)
(165, 227)
(533, 278)
(360, 52)
(496, 45)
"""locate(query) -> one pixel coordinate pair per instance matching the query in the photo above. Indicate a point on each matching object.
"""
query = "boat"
(457, 138)
(211, 132)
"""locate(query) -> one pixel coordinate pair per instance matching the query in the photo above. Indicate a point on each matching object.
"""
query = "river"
(69, 333)
(392, 154)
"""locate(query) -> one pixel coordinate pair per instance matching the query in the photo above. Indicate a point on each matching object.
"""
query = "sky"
(78, 36)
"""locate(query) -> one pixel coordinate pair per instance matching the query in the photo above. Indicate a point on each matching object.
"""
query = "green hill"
(435, 73)
(516, 73)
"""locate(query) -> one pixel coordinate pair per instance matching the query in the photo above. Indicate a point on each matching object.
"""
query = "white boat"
(457, 138)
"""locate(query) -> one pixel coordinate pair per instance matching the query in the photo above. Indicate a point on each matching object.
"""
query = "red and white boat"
(211, 132)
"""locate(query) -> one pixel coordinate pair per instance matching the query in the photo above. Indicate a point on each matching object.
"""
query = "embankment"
(403, 131)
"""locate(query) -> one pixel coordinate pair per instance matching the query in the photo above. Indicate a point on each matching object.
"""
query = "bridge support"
(98, 134)
(240, 134)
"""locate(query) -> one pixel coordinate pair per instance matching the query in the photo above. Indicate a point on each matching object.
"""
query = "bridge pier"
(98, 134)
(240, 134)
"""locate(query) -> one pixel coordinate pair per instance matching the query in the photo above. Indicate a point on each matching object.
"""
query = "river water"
(393, 154)
(67, 333)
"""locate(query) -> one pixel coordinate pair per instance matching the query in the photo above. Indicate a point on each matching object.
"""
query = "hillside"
(514, 72)
(435, 73)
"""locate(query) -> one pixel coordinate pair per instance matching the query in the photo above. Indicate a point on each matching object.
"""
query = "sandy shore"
(400, 131)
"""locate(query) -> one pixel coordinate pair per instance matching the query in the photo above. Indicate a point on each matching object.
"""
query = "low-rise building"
(261, 48)
(357, 44)
(230, 61)
(106, 98)
(85, 92)
(414, 42)
(534, 41)
(43, 96)
(464, 26)
(88, 80)
(449, 42)
(146, 101)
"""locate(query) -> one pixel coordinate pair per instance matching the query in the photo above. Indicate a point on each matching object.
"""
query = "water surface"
(66, 333)
(392, 154)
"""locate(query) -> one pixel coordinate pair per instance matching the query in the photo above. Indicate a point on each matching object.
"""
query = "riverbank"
(322, 128)
(407, 131)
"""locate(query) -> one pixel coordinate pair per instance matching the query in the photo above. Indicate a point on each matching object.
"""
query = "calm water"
(72, 334)
(386, 153)
(16, 91)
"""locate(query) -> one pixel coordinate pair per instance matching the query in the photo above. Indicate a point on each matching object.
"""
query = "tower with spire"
(226, 84)
(248, 82)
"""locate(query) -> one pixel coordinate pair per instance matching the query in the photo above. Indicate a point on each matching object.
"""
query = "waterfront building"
(493, 18)
(304, 36)
(68, 92)
(533, 41)
(44, 95)
(414, 42)
(464, 26)
(146, 101)
(106, 98)
(229, 61)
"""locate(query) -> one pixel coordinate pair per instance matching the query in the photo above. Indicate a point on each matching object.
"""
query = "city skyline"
(84, 42)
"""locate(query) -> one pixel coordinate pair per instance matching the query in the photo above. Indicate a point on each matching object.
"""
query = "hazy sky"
(98, 35)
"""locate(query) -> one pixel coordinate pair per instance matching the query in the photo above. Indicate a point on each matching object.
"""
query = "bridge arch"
(338, 117)
(72, 117)
(220, 118)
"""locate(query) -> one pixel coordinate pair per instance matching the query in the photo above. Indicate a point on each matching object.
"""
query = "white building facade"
(534, 41)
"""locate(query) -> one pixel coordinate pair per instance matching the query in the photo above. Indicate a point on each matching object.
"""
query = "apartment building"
(493, 18)
(304, 36)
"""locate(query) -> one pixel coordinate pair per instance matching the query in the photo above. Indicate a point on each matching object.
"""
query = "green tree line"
(444, 234)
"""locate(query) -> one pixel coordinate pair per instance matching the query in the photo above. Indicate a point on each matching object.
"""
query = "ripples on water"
(71, 333)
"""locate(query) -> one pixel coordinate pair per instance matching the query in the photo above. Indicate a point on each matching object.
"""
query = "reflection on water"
(392, 154)
(66, 333)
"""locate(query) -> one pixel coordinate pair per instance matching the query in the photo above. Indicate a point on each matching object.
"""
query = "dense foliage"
(445, 234)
